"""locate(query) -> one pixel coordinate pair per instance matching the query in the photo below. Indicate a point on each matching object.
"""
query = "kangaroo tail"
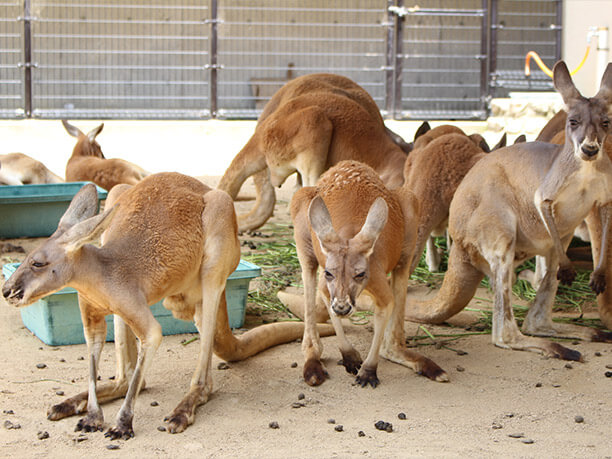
(458, 288)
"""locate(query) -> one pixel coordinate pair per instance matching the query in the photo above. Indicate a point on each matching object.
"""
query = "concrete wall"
(578, 16)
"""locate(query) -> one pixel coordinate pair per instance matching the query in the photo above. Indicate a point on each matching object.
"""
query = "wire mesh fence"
(193, 59)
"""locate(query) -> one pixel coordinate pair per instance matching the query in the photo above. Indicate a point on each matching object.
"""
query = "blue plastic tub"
(56, 319)
(35, 210)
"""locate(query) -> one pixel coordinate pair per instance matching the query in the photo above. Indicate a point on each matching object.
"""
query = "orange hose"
(543, 66)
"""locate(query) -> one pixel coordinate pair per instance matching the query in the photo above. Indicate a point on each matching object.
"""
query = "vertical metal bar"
(27, 58)
(559, 30)
(389, 89)
(484, 62)
(399, 63)
(493, 44)
(213, 59)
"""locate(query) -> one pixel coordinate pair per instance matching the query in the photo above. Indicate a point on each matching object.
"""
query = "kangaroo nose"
(341, 307)
(590, 150)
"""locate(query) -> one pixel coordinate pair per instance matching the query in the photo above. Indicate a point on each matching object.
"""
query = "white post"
(602, 51)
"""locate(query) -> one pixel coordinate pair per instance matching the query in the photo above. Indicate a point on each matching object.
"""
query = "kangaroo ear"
(72, 130)
(502, 142)
(321, 223)
(91, 135)
(563, 83)
(423, 128)
(374, 224)
(84, 205)
(521, 139)
(605, 89)
(86, 231)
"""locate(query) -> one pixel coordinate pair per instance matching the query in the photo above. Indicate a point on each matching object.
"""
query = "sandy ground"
(498, 403)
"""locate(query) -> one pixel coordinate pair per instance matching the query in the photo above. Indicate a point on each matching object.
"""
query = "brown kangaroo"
(20, 169)
(169, 236)
(88, 163)
(522, 201)
(310, 124)
(358, 231)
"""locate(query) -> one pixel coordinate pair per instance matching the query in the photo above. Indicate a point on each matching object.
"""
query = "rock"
(112, 446)
(40, 366)
(401, 416)
(361, 433)
(331, 421)
(294, 365)
(339, 428)
(382, 425)
(579, 419)
(161, 428)
(273, 425)
(516, 435)
(223, 366)
(59, 392)
(527, 441)
(568, 366)
(301, 396)
(42, 435)
(460, 368)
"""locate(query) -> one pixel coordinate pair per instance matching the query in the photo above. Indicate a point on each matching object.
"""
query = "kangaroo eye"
(38, 264)
(360, 276)
(605, 124)
(328, 275)
(573, 122)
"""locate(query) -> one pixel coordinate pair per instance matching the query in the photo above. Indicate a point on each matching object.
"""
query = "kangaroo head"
(51, 266)
(86, 143)
(588, 120)
(347, 265)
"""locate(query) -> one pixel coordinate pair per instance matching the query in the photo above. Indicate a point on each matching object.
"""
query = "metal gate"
(194, 59)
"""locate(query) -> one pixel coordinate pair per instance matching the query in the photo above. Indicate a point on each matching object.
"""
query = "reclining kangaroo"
(522, 201)
(20, 169)
(168, 237)
(310, 124)
(358, 232)
(88, 163)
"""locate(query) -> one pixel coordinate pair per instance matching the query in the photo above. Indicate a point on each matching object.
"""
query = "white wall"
(578, 16)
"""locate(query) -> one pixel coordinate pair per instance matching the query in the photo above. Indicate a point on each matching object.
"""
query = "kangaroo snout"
(342, 307)
(589, 150)
(11, 294)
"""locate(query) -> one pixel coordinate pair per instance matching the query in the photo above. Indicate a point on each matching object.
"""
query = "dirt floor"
(498, 403)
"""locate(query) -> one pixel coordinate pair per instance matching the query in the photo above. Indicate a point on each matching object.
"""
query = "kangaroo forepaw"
(177, 422)
(598, 282)
(367, 376)
(601, 336)
(61, 411)
(93, 422)
(314, 373)
(351, 360)
(566, 275)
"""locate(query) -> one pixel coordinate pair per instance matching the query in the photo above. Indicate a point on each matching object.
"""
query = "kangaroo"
(358, 232)
(88, 163)
(20, 169)
(522, 201)
(310, 124)
(170, 236)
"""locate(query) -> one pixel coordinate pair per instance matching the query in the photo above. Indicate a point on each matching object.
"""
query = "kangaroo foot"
(69, 407)
(557, 330)
(314, 372)
(419, 363)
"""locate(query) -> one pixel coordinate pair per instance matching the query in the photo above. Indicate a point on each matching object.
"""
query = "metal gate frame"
(392, 74)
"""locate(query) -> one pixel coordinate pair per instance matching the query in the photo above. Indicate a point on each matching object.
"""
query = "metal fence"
(193, 59)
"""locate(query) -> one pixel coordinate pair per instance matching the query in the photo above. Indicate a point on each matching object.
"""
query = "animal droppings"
(538, 384)
(59, 392)
(331, 421)
(597, 354)
(516, 435)
(42, 435)
(609, 366)
(40, 366)
(8, 425)
(578, 419)
(608, 374)
(112, 446)
(361, 433)
(81, 358)
(497, 426)
(460, 368)
(161, 428)
(154, 403)
(527, 441)
(80, 438)
(301, 396)
(8, 412)
(382, 425)
(223, 366)
(273, 425)
(339, 428)
(460, 352)
(568, 366)
(402, 416)
(297, 405)
(294, 365)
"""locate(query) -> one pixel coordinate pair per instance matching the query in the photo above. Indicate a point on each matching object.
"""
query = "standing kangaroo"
(357, 231)
(522, 201)
(170, 236)
(310, 124)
